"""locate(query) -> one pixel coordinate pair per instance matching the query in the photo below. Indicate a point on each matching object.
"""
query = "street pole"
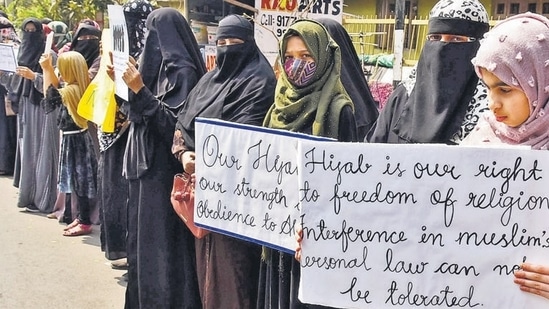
(399, 42)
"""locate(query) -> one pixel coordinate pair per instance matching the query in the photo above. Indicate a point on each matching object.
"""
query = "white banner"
(246, 182)
(421, 226)
(120, 48)
(275, 16)
(8, 62)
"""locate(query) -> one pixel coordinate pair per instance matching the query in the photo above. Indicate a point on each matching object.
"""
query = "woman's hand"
(299, 239)
(132, 61)
(187, 159)
(26, 72)
(533, 278)
(132, 78)
(46, 62)
(110, 67)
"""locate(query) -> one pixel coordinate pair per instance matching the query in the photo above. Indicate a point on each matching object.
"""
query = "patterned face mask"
(300, 72)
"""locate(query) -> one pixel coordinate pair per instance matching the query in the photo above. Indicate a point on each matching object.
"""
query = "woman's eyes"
(302, 57)
(505, 89)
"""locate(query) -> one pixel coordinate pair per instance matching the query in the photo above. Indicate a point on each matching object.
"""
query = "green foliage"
(68, 11)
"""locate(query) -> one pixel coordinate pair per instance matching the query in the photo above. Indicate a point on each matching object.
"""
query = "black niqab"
(30, 50)
(32, 45)
(445, 84)
(87, 48)
(167, 61)
(241, 87)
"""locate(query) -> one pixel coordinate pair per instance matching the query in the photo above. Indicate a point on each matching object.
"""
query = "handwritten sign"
(276, 16)
(120, 48)
(421, 226)
(247, 182)
(8, 62)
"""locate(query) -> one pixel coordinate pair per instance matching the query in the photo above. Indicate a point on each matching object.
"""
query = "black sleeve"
(51, 100)
(381, 130)
(347, 125)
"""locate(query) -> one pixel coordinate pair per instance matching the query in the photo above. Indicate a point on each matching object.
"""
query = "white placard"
(421, 226)
(247, 182)
(275, 17)
(8, 62)
(49, 42)
(120, 48)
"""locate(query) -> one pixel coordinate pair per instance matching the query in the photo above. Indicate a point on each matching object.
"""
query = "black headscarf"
(240, 88)
(169, 56)
(171, 65)
(30, 50)
(445, 84)
(3, 14)
(87, 48)
(352, 78)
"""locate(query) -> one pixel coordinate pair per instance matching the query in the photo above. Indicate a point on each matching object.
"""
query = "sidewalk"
(40, 268)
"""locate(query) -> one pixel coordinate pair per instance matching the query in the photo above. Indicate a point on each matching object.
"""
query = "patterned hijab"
(61, 33)
(295, 108)
(446, 82)
(73, 69)
(516, 50)
(136, 13)
(7, 31)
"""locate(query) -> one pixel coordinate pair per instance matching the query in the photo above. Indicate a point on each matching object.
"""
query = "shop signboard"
(275, 16)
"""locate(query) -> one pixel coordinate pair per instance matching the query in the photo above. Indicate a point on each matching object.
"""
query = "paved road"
(40, 268)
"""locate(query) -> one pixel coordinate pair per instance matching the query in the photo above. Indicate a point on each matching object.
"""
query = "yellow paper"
(98, 103)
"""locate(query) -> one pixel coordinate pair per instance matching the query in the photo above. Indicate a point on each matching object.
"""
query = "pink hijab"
(516, 50)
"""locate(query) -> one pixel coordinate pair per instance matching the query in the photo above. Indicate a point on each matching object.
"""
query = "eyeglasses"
(450, 38)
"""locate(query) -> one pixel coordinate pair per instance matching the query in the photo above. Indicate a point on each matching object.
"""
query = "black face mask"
(231, 58)
(228, 55)
(89, 49)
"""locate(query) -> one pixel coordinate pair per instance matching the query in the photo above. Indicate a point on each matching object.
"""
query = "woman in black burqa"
(86, 41)
(443, 101)
(239, 89)
(38, 136)
(352, 78)
(113, 187)
(161, 258)
(8, 121)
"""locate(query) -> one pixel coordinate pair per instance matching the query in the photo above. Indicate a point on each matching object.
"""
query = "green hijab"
(320, 102)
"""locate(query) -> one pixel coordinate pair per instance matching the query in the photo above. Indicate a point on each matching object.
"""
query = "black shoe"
(32, 208)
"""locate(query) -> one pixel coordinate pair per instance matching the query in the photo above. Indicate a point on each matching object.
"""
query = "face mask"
(300, 72)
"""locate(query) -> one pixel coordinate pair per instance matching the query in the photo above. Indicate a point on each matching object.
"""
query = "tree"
(68, 11)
